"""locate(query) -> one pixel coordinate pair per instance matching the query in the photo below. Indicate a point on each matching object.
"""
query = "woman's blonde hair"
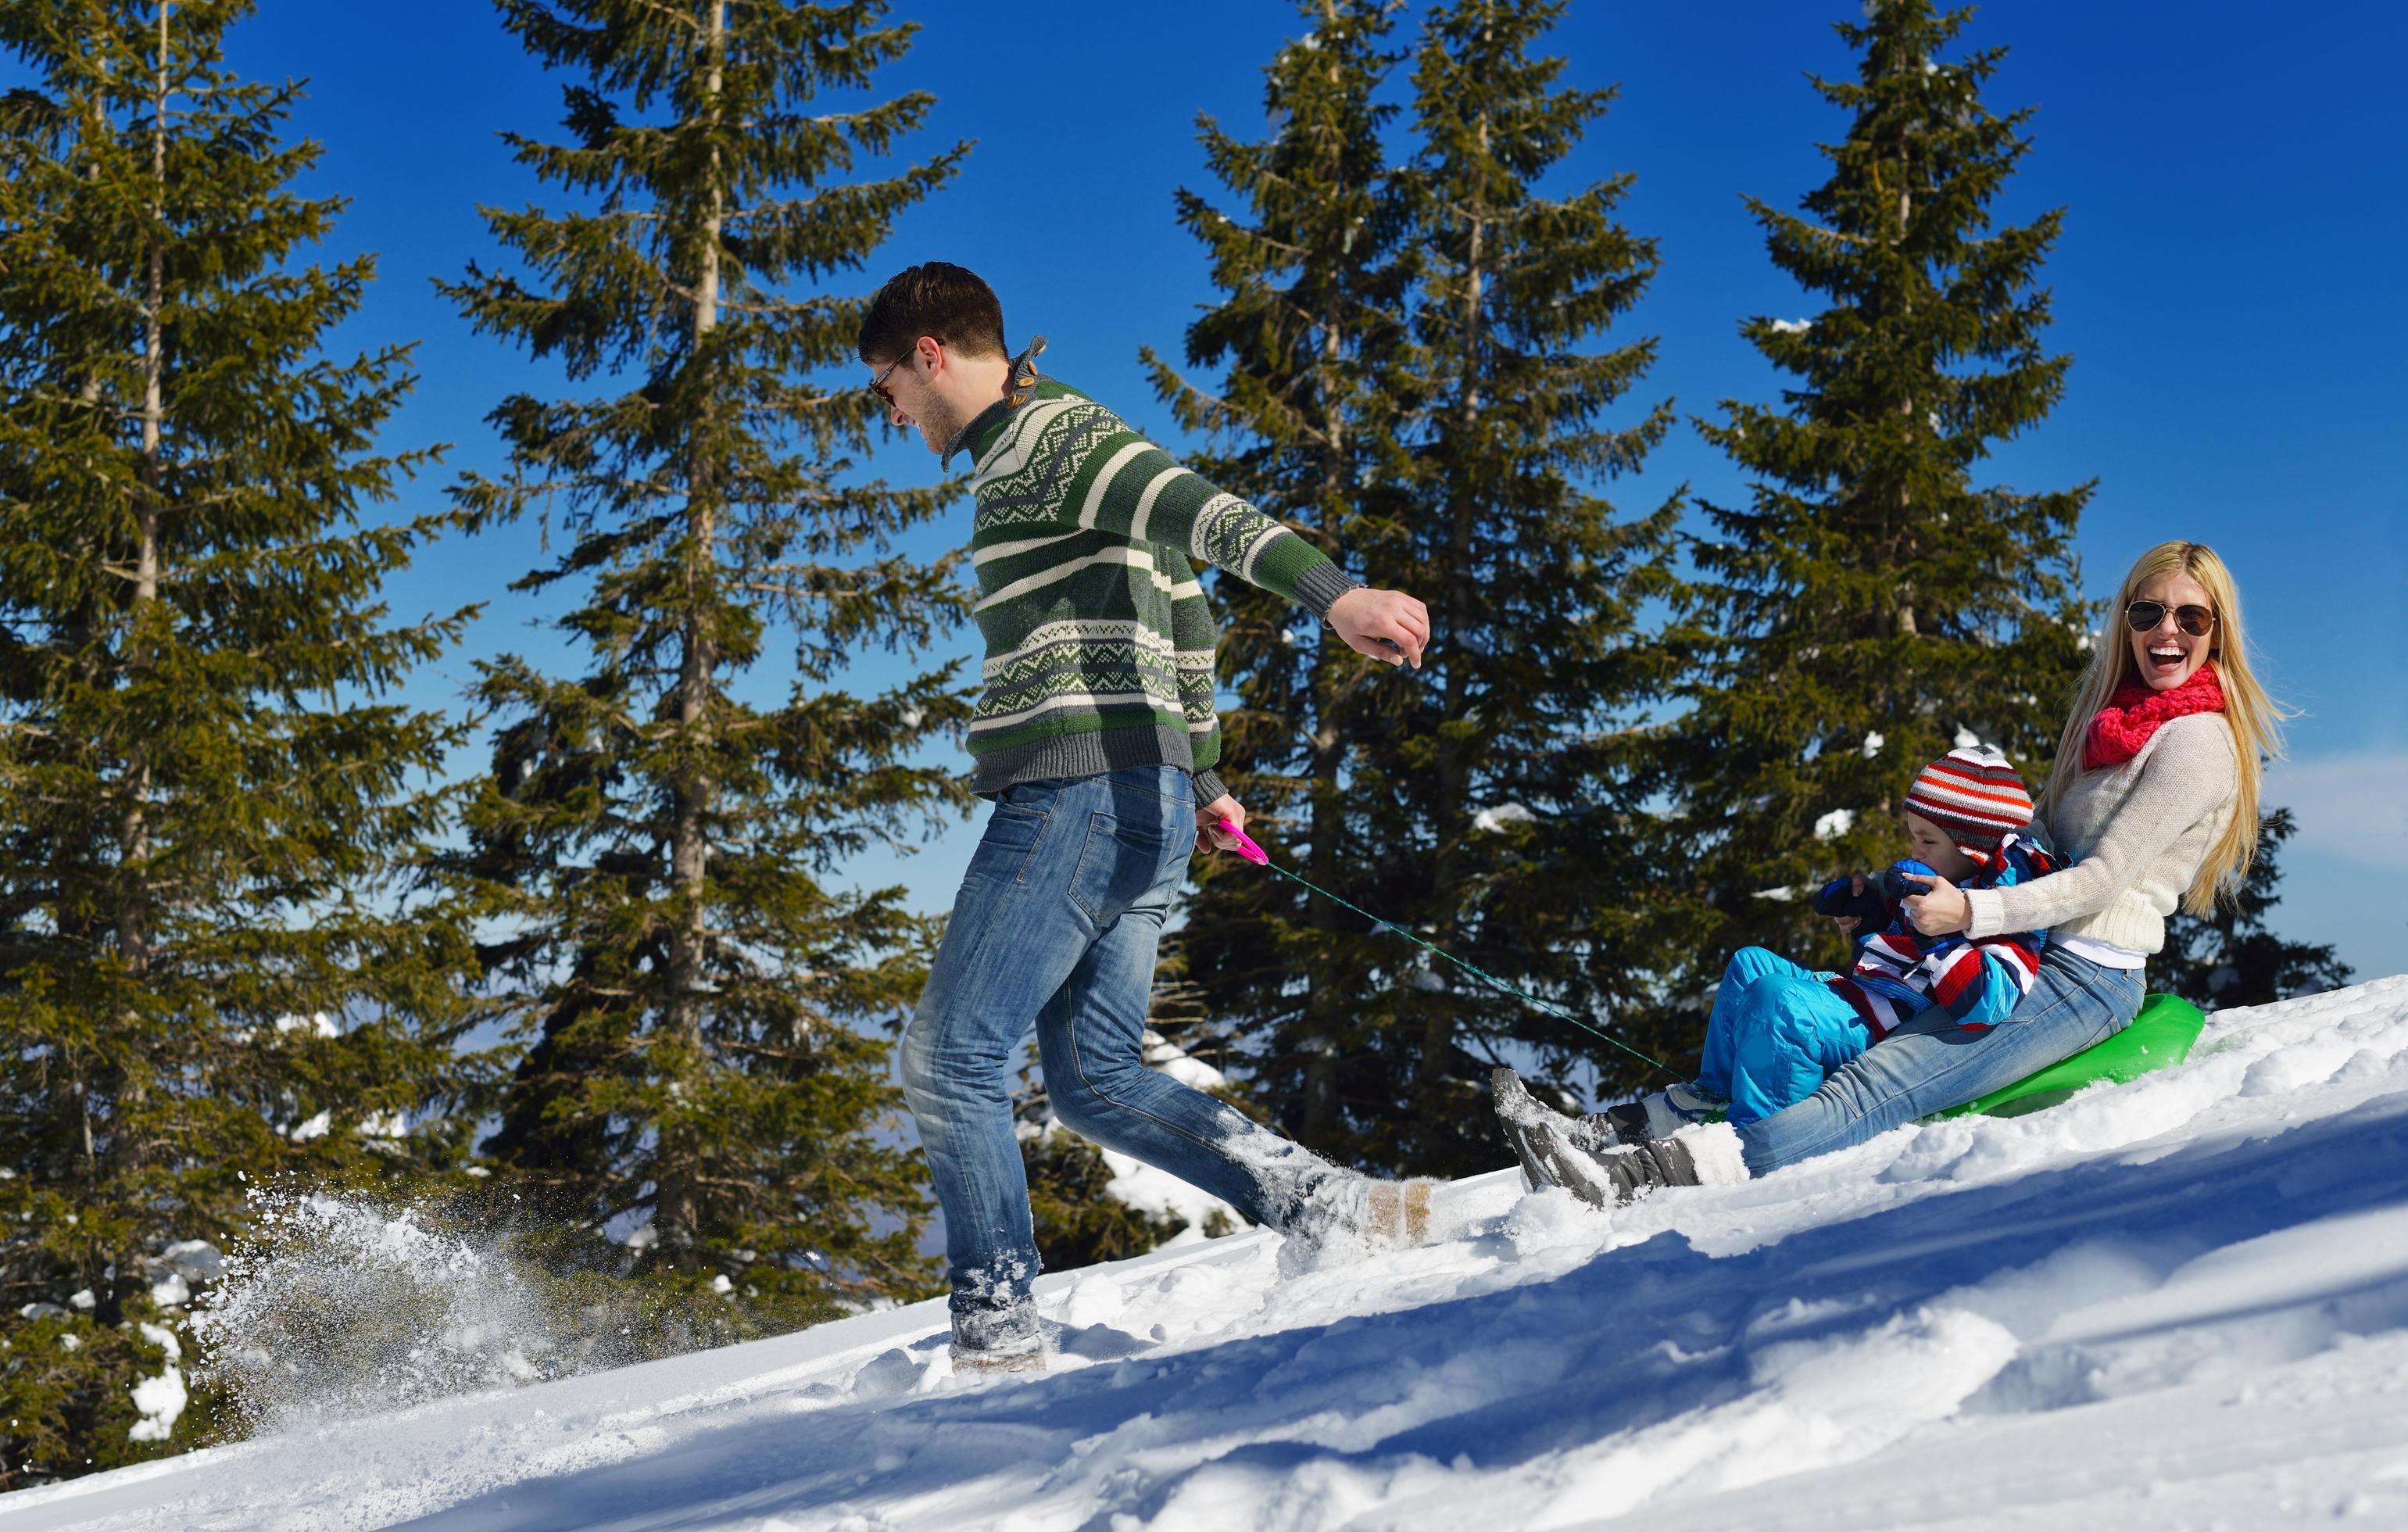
(2257, 719)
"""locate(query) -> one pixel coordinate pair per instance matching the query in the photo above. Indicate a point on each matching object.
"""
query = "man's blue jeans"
(1055, 928)
(1926, 1067)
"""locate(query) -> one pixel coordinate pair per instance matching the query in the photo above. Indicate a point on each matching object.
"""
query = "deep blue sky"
(2227, 283)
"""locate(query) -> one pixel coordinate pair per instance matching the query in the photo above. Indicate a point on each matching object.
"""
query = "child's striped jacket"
(1900, 973)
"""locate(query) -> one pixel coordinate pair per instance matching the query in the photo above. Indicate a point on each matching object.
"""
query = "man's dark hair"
(950, 303)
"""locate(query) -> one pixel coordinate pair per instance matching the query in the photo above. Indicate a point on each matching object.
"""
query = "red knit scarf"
(2135, 712)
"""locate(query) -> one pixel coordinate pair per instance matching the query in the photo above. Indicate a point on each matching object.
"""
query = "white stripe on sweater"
(1136, 558)
(1263, 539)
(1006, 550)
(1145, 501)
(1104, 476)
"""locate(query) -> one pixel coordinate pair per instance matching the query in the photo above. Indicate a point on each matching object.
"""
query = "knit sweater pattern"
(2137, 834)
(1099, 640)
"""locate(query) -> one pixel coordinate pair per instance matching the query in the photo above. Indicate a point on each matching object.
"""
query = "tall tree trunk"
(135, 915)
(1905, 551)
(679, 1212)
(1321, 1018)
(1325, 790)
(1462, 610)
(134, 829)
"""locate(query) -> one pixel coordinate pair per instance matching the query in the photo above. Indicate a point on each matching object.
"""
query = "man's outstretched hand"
(1386, 625)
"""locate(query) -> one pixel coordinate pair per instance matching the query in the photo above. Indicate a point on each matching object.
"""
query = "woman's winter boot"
(1659, 1114)
(1559, 1150)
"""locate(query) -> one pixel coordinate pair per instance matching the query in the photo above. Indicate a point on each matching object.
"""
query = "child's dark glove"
(1896, 886)
(1877, 906)
(1838, 898)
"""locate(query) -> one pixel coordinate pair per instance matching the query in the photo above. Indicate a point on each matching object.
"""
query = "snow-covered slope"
(2181, 1303)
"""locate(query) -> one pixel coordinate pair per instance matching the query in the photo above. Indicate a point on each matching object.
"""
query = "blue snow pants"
(1931, 1064)
(1777, 1031)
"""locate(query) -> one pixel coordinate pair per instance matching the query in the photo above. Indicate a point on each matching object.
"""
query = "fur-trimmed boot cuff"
(1715, 1154)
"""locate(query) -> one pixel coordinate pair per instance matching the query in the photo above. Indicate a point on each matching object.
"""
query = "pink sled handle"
(1246, 847)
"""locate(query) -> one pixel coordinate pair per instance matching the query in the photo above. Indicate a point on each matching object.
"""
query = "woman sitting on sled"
(2152, 803)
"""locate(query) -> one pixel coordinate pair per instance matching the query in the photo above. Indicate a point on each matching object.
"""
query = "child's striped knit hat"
(1975, 794)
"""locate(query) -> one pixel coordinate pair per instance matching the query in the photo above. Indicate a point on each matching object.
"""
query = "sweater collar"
(1020, 386)
(980, 435)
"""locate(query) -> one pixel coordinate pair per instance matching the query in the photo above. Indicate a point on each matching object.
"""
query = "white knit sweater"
(2137, 834)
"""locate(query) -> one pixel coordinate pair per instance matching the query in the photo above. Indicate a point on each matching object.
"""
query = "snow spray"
(342, 1307)
(1251, 852)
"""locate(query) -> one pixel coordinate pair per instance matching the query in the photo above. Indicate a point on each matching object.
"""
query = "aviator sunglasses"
(2142, 616)
(877, 384)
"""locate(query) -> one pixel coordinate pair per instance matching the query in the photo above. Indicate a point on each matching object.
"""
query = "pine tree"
(1506, 788)
(1872, 606)
(656, 851)
(2231, 957)
(208, 980)
(1310, 334)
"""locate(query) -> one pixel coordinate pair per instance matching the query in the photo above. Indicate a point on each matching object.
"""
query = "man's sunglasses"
(877, 384)
(2143, 616)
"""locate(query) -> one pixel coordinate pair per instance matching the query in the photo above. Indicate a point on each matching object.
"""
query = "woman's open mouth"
(2165, 658)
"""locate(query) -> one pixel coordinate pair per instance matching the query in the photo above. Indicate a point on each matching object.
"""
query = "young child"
(1779, 1027)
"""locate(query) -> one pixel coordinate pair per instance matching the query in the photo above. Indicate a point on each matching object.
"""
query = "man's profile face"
(907, 389)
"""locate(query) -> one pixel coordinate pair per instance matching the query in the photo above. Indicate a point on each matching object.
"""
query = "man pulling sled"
(1094, 741)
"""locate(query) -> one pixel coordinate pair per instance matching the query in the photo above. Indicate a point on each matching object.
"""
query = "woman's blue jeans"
(1921, 1069)
(1055, 928)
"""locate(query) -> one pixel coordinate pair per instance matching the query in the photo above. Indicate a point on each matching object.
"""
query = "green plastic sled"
(2162, 1035)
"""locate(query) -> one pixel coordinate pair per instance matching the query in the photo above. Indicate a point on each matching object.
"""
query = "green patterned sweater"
(1099, 639)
